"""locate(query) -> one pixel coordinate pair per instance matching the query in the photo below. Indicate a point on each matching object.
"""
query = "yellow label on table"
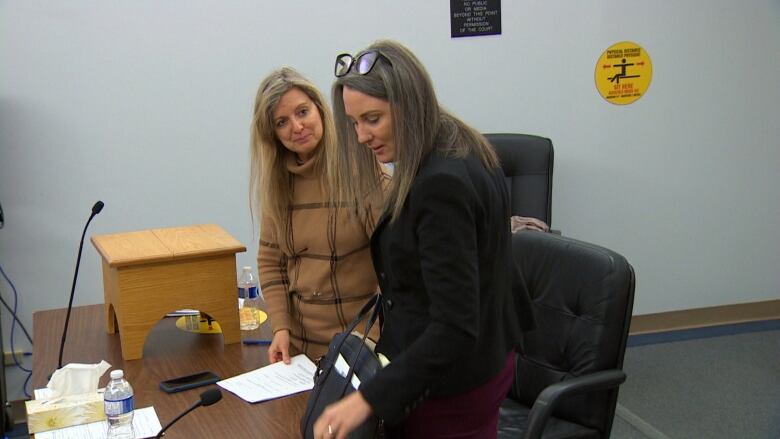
(623, 73)
(201, 325)
(198, 324)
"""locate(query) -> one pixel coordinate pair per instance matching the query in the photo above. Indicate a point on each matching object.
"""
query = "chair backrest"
(528, 165)
(583, 296)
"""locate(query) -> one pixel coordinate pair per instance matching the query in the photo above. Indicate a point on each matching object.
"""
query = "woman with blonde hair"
(313, 259)
(442, 253)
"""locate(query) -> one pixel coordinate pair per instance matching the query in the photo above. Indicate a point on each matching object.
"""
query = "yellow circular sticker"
(623, 73)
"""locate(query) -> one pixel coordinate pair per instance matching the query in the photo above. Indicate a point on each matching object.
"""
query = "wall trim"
(703, 317)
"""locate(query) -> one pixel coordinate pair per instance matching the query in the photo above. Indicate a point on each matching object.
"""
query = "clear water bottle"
(118, 403)
(247, 290)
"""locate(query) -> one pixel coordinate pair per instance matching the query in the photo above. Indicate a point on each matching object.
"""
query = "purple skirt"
(473, 414)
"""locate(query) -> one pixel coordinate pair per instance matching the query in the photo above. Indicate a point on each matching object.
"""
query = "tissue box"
(43, 415)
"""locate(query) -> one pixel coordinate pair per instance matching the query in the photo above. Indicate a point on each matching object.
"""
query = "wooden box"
(149, 273)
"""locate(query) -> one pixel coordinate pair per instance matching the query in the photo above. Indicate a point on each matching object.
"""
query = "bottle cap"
(117, 374)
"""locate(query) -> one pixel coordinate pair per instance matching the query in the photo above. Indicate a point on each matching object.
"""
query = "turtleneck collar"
(294, 167)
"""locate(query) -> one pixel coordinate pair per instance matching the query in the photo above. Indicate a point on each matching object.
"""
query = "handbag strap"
(375, 303)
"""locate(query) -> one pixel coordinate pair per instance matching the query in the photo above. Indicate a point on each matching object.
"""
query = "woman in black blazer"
(441, 251)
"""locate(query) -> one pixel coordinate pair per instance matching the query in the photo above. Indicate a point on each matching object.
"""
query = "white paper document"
(145, 424)
(343, 369)
(273, 381)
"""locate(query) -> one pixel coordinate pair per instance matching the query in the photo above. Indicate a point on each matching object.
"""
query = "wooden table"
(170, 352)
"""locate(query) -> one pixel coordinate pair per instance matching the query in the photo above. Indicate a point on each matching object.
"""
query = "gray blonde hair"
(420, 125)
(270, 184)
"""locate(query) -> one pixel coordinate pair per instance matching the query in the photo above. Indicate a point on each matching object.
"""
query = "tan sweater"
(318, 278)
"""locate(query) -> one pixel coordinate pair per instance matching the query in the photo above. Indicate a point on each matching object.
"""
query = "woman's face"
(297, 123)
(373, 122)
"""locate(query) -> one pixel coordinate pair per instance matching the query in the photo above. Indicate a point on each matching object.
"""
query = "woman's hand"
(280, 347)
(341, 418)
(525, 222)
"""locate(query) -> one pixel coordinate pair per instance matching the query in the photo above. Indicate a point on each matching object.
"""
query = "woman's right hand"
(280, 347)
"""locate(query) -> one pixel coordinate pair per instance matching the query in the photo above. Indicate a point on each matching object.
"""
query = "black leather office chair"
(569, 368)
(528, 165)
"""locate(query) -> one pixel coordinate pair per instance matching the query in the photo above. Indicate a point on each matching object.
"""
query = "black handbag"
(330, 386)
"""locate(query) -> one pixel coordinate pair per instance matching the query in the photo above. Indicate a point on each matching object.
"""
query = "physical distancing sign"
(623, 73)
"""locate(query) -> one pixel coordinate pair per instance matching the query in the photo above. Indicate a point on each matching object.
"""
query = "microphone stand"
(207, 398)
(95, 210)
(181, 415)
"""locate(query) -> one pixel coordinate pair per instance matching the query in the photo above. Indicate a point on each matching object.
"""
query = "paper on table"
(273, 381)
(145, 424)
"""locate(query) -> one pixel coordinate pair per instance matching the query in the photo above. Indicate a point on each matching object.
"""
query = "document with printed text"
(145, 425)
(273, 381)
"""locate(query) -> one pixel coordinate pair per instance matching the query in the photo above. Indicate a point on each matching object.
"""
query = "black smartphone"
(174, 385)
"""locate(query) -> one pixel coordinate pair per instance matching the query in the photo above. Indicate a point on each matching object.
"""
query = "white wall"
(145, 105)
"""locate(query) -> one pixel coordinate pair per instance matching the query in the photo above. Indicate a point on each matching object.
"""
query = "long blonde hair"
(270, 184)
(420, 125)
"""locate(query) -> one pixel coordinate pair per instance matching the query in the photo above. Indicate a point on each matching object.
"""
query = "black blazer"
(445, 268)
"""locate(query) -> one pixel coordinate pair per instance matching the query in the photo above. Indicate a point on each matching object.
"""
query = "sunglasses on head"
(362, 65)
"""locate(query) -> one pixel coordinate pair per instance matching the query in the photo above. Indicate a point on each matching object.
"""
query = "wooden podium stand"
(150, 273)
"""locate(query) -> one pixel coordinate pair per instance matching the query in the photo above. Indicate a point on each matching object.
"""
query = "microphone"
(95, 210)
(211, 396)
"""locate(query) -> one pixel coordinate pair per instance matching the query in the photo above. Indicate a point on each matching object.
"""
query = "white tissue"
(76, 378)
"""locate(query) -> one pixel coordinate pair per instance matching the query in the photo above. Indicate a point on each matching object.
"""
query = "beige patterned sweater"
(316, 280)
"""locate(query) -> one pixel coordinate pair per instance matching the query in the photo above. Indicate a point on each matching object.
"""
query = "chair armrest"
(545, 402)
